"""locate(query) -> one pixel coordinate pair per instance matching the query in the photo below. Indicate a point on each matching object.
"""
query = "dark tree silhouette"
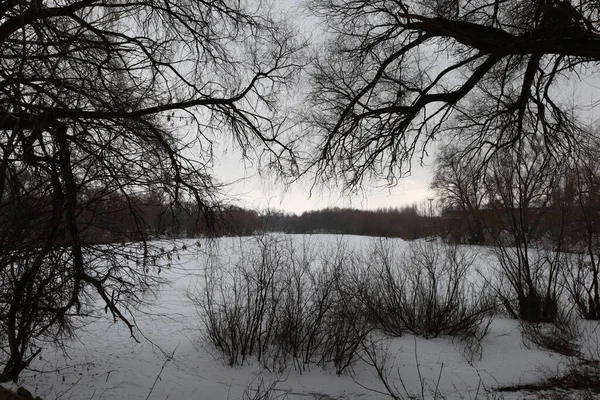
(397, 75)
(459, 187)
(518, 186)
(100, 105)
(578, 197)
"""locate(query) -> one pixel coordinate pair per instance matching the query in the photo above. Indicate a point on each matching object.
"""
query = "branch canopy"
(109, 110)
(397, 75)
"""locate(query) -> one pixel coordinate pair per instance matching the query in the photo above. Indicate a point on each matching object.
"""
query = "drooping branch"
(109, 111)
(483, 73)
(541, 41)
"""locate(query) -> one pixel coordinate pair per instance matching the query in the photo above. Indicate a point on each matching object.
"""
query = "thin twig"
(169, 358)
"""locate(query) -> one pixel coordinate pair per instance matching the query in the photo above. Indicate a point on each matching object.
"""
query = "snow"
(172, 361)
(11, 386)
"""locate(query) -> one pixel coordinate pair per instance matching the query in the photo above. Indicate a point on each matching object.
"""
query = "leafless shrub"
(562, 336)
(380, 289)
(259, 389)
(579, 341)
(238, 304)
(529, 281)
(581, 283)
(579, 381)
(426, 292)
(472, 345)
(376, 354)
(286, 304)
(318, 320)
(282, 306)
(347, 324)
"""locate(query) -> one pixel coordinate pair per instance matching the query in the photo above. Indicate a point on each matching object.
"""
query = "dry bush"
(582, 282)
(376, 353)
(576, 339)
(348, 325)
(281, 304)
(426, 291)
(562, 336)
(287, 304)
(580, 381)
(529, 280)
(259, 389)
(239, 303)
(319, 321)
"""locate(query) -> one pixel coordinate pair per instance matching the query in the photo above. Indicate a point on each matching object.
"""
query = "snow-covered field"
(171, 361)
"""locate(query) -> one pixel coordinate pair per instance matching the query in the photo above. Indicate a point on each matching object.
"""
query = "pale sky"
(256, 192)
(252, 191)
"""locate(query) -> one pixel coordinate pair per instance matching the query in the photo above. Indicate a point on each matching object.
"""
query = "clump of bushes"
(283, 302)
(426, 291)
(563, 336)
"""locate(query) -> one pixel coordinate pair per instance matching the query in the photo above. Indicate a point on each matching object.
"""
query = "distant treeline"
(150, 216)
(119, 218)
(404, 222)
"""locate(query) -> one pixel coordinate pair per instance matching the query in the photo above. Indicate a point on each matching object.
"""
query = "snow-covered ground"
(171, 361)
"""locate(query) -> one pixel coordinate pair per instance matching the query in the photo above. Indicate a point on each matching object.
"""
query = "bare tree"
(458, 183)
(581, 200)
(104, 100)
(519, 184)
(515, 199)
(397, 75)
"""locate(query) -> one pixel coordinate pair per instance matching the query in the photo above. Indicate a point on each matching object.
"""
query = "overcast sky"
(250, 190)
(253, 191)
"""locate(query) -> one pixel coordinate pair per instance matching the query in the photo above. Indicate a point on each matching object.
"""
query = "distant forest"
(404, 222)
(155, 217)
(114, 222)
